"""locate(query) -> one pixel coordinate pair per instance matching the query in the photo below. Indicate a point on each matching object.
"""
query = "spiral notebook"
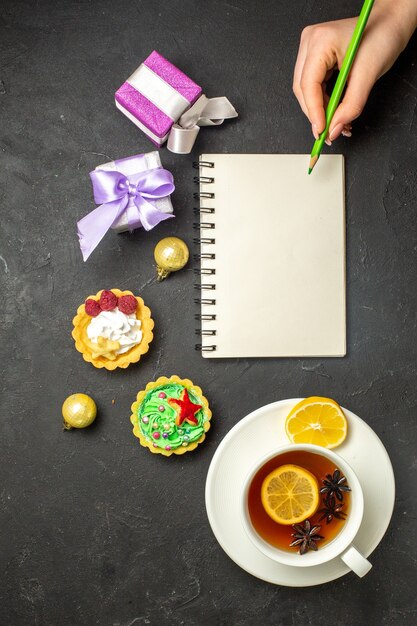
(272, 250)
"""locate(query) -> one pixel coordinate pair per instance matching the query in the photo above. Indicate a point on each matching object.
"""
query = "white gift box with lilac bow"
(133, 192)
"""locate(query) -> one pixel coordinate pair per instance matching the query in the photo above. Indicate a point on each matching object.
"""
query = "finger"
(347, 128)
(299, 95)
(312, 77)
(359, 86)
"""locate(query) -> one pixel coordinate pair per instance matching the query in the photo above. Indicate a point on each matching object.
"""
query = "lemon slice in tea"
(316, 420)
(290, 494)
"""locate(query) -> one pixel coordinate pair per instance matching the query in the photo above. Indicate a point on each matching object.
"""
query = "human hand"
(323, 48)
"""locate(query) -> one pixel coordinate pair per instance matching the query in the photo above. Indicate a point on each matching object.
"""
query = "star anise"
(335, 485)
(332, 509)
(306, 537)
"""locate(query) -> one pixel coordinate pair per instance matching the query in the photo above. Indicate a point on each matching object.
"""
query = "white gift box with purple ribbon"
(133, 167)
(167, 105)
(133, 192)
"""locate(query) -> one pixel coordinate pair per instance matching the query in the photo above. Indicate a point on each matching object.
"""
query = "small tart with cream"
(113, 329)
(170, 416)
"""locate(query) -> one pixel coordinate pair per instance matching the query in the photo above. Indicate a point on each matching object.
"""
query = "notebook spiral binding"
(209, 240)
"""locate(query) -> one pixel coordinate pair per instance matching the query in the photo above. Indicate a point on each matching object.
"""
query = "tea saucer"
(256, 435)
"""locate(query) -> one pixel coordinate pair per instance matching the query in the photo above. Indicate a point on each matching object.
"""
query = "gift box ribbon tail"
(204, 112)
(114, 190)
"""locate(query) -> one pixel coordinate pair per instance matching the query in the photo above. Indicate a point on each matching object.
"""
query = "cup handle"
(356, 561)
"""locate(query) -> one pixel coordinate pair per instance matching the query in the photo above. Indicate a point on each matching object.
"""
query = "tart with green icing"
(170, 416)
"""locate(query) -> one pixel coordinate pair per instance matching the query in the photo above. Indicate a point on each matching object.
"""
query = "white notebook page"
(279, 256)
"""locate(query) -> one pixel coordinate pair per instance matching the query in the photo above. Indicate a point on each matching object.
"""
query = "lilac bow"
(114, 190)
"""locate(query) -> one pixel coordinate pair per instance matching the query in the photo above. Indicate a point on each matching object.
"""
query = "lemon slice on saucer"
(316, 420)
(290, 494)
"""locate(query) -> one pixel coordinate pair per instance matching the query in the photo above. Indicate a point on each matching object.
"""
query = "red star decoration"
(186, 409)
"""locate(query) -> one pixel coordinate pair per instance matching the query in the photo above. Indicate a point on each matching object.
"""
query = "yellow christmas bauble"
(78, 411)
(171, 254)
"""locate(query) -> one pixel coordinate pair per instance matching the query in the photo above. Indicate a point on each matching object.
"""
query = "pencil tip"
(313, 161)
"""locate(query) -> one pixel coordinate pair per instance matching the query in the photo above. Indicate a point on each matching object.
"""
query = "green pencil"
(341, 80)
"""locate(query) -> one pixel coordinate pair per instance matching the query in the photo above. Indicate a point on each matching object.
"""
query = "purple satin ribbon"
(114, 190)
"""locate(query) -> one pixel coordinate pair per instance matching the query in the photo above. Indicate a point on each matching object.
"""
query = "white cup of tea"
(342, 545)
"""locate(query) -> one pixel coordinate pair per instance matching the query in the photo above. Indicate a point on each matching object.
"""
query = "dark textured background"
(94, 529)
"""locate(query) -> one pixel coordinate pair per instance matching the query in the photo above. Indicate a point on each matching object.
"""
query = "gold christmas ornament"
(171, 254)
(78, 411)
